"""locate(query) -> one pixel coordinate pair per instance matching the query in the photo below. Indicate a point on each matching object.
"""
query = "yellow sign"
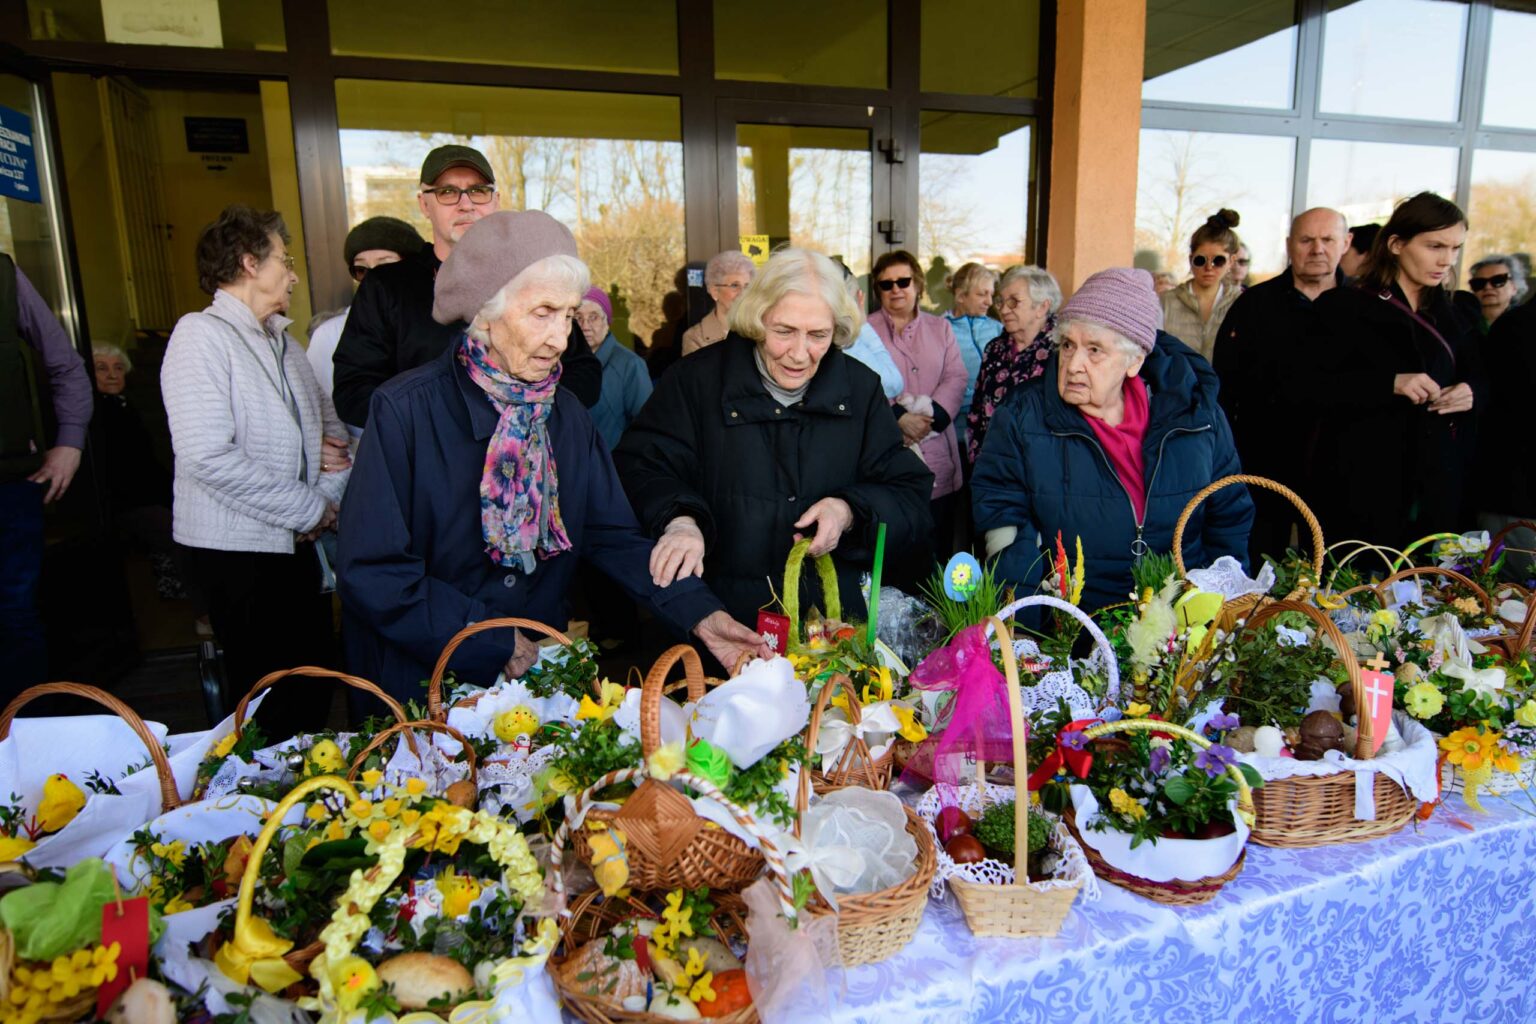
(755, 246)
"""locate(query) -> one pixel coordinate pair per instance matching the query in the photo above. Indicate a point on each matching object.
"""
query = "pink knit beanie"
(1122, 299)
(597, 295)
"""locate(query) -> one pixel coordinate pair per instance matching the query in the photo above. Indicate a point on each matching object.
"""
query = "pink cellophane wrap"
(978, 727)
(787, 967)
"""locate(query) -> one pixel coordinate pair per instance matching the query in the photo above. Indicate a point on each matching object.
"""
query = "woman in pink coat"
(933, 381)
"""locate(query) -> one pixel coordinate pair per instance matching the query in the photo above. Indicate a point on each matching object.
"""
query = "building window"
(981, 48)
(1208, 52)
(804, 42)
(608, 165)
(1511, 71)
(1394, 58)
(1364, 180)
(1502, 211)
(975, 191)
(219, 24)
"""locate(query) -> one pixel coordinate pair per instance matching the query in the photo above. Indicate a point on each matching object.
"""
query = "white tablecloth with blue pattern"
(1433, 924)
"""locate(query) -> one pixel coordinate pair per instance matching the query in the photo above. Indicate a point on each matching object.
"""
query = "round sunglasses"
(1216, 261)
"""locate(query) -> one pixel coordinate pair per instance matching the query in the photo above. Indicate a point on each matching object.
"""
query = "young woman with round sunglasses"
(1193, 311)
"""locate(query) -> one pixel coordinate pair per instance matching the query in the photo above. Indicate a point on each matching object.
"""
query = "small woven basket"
(1021, 908)
(273, 678)
(407, 730)
(871, 926)
(1319, 810)
(826, 571)
(854, 766)
(1175, 892)
(78, 1008)
(435, 709)
(169, 797)
(588, 917)
(671, 847)
(1242, 607)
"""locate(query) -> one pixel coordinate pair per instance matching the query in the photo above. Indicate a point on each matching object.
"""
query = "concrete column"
(1096, 128)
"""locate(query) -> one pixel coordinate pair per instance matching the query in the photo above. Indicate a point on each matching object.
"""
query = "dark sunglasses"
(359, 272)
(1216, 261)
(895, 282)
(1496, 281)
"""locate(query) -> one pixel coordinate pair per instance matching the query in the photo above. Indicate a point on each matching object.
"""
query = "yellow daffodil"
(1136, 709)
(316, 811)
(912, 729)
(1125, 804)
(361, 809)
(372, 778)
(1423, 700)
(667, 760)
(1468, 748)
(379, 831)
(415, 786)
(391, 808)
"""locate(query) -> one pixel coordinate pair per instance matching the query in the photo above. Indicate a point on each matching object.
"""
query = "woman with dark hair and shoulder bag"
(1397, 375)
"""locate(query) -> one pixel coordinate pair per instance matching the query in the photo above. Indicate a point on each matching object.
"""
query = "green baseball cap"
(444, 157)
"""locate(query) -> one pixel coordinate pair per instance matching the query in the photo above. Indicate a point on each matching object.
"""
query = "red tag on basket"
(774, 629)
(643, 953)
(1378, 687)
(125, 922)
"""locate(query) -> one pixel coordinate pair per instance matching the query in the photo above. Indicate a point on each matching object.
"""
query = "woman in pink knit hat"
(1108, 445)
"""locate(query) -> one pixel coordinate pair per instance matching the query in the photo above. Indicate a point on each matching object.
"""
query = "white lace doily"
(1225, 576)
(1072, 872)
(269, 764)
(506, 783)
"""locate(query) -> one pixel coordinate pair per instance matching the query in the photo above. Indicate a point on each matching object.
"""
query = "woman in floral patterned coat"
(1028, 298)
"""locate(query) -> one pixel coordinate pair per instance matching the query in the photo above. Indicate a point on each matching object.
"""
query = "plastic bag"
(907, 626)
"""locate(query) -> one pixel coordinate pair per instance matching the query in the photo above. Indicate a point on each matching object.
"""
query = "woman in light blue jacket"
(973, 286)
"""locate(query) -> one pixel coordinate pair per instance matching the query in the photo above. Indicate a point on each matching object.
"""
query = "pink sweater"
(929, 360)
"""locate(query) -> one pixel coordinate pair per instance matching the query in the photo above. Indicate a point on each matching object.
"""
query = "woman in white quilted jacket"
(261, 463)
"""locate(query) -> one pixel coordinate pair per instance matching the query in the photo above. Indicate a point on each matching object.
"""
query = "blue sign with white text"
(18, 162)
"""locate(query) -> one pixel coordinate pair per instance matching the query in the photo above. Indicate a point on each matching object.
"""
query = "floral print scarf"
(519, 490)
(1004, 368)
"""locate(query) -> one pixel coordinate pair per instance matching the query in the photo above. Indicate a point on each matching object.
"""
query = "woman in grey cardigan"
(261, 463)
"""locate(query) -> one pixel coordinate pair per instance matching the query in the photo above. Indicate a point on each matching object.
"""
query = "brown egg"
(1241, 739)
(462, 794)
(965, 849)
(951, 822)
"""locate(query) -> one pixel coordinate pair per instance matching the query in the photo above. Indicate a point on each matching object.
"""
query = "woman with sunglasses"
(1497, 284)
(1193, 311)
(933, 385)
(1397, 379)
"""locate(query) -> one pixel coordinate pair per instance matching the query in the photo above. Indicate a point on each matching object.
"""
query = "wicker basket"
(1176, 892)
(1391, 556)
(435, 709)
(1019, 909)
(671, 847)
(272, 678)
(1242, 607)
(871, 926)
(588, 918)
(78, 1008)
(826, 571)
(854, 766)
(169, 797)
(1319, 810)
(407, 731)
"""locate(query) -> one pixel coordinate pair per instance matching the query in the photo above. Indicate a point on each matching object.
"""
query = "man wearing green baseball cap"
(390, 328)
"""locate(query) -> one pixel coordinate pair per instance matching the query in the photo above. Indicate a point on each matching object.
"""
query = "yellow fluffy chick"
(62, 800)
(610, 861)
(459, 893)
(327, 758)
(352, 978)
(519, 721)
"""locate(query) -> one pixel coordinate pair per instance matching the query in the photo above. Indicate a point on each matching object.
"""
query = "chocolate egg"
(965, 849)
(1320, 732)
(951, 822)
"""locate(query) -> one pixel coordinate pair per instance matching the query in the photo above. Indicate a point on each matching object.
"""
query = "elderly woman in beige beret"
(480, 484)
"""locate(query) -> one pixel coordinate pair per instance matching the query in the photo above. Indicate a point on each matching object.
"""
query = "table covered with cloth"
(1436, 923)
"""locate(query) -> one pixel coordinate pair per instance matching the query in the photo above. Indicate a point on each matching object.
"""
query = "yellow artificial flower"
(1125, 804)
(1078, 575)
(1466, 605)
(353, 977)
(667, 760)
(1135, 709)
(334, 831)
(1525, 714)
(678, 917)
(1383, 621)
(695, 966)
(361, 809)
(702, 990)
(415, 786)
(317, 811)
(223, 747)
(1423, 700)
(372, 778)
(602, 709)
(391, 808)
(1468, 748)
(912, 729)
(410, 817)
(14, 847)
(379, 830)
(176, 904)
(175, 852)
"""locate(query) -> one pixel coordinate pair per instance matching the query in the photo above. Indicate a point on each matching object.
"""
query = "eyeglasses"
(1240, 262)
(895, 282)
(1216, 261)
(287, 259)
(448, 195)
(1011, 304)
(592, 320)
(1496, 281)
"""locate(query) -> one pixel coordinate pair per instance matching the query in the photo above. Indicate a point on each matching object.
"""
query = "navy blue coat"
(1042, 469)
(412, 568)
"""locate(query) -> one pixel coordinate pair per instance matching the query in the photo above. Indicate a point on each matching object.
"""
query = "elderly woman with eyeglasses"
(1193, 311)
(480, 483)
(1109, 445)
(1028, 298)
(725, 275)
(1498, 283)
(933, 382)
(261, 463)
(774, 433)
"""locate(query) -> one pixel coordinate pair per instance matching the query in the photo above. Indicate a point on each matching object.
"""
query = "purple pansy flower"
(1073, 739)
(1158, 762)
(1215, 759)
(1222, 721)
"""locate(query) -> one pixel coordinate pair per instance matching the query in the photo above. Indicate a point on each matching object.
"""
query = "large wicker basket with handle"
(312, 672)
(588, 918)
(670, 846)
(871, 926)
(1319, 810)
(1242, 607)
(1021, 908)
(435, 708)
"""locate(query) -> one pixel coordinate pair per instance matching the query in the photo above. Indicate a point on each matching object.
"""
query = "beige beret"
(492, 252)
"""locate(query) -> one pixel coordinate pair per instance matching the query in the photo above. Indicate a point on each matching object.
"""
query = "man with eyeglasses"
(373, 243)
(1257, 349)
(389, 327)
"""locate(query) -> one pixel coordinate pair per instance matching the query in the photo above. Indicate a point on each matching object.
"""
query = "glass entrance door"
(810, 175)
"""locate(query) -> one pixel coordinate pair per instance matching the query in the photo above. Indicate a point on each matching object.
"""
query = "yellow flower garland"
(350, 922)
